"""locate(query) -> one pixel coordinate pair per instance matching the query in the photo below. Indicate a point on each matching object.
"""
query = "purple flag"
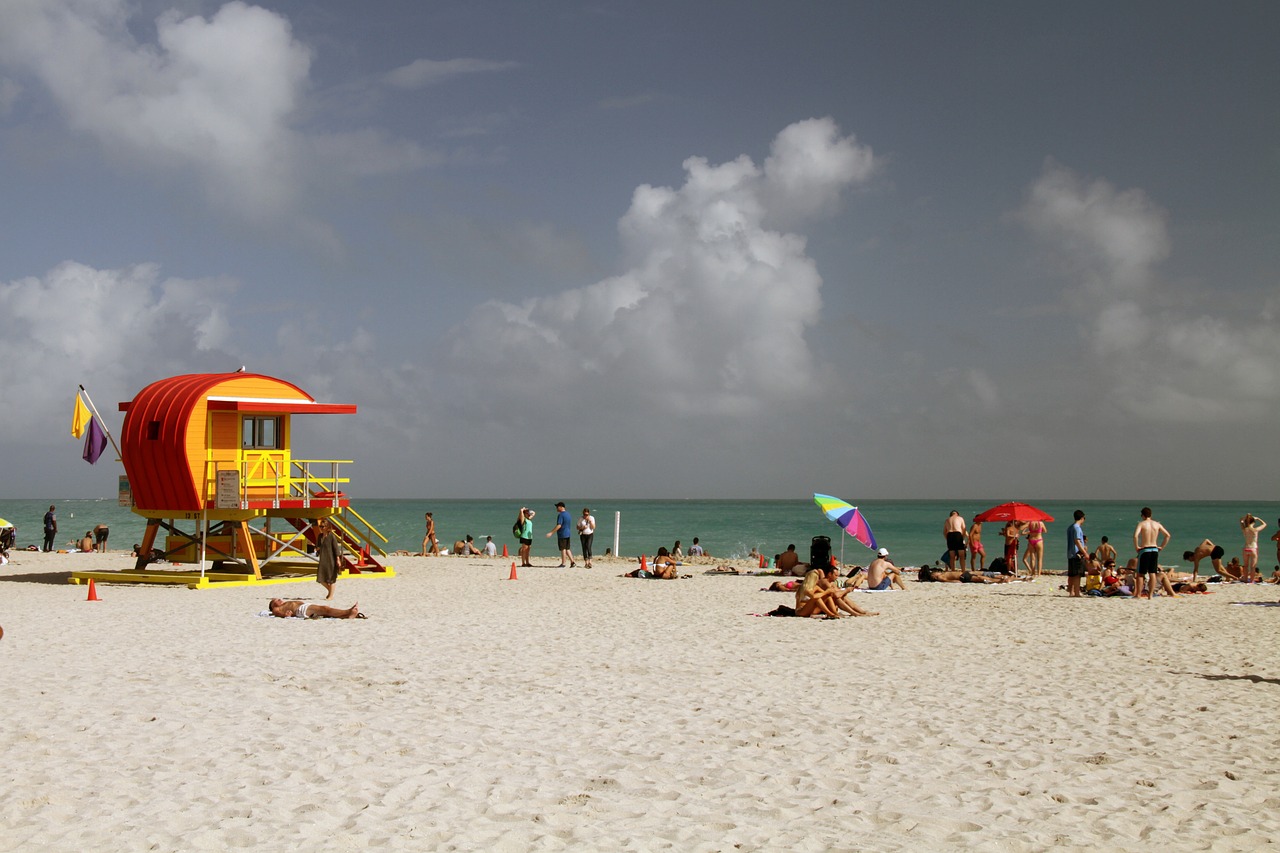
(94, 442)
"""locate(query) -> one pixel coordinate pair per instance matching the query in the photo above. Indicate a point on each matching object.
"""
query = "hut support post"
(246, 542)
(204, 536)
(148, 542)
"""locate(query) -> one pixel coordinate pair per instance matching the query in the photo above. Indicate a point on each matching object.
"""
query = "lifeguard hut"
(209, 463)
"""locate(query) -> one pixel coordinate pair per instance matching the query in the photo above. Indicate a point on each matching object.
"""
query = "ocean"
(729, 529)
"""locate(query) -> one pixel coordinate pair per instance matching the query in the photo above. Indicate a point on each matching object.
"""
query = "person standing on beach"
(430, 538)
(953, 530)
(1250, 527)
(1011, 533)
(1077, 554)
(977, 553)
(561, 532)
(1034, 558)
(50, 527)
(329, 553)
(586, 534)
(523, 529)
(1146, 541)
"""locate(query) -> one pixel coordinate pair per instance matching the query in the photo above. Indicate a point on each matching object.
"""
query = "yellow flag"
(80, 418)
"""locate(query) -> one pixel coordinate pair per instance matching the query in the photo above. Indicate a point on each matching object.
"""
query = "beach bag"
(999, 565)
(820, 552)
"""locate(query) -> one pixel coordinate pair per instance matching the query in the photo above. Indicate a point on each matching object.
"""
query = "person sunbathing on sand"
(782, 586)
(930, 575)
(305, 610)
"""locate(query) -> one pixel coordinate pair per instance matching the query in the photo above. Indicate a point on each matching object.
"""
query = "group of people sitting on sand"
(665, 566)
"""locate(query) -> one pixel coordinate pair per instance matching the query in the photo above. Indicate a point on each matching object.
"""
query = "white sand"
(573, 709)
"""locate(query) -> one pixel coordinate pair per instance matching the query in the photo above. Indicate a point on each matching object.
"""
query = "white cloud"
(1158, 361)
(710, 316)
(112, 330)
(215, 99)
(427, 72)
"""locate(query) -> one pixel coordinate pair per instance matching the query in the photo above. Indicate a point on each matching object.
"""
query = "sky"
(723, 249)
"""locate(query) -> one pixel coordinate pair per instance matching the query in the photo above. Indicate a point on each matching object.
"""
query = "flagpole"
(94, 409)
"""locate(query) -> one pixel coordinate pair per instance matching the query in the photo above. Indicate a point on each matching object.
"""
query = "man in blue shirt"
(564, 524)
(1077, 555)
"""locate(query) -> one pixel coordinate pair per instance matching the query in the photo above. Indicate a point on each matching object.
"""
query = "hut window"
(260, 433)
(153, 430)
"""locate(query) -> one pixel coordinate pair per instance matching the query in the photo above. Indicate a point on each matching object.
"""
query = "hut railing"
(313, 482)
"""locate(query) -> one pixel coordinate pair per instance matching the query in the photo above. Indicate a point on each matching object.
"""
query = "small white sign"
(228, 490)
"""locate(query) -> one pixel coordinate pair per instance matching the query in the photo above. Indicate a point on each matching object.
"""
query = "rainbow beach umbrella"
(848, 518)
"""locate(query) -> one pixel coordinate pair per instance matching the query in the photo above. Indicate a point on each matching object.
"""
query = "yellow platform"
(195, 580)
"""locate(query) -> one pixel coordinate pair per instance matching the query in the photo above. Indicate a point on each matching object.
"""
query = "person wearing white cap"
(882, 573)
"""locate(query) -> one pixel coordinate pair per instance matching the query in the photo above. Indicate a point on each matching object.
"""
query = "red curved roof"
(155, 457)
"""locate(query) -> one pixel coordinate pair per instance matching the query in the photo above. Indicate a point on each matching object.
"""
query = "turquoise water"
(912, 530)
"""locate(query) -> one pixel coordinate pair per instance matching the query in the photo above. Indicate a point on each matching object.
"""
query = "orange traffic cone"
(93, 592)
(762, 563)
(513, 572)
(504, 551)
(644, 567)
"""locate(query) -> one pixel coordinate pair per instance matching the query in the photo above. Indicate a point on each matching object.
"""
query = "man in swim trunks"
(1146, 541)
(1012, 532)
(953, 529)
(306, 610)
(977, 553)
(882, 574)
(100, 533)
(1205, 549)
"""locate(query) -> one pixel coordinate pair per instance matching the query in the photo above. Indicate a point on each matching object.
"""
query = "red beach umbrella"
(1013, 511)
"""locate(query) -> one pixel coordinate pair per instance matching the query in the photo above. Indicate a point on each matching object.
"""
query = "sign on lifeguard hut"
(212, 450)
